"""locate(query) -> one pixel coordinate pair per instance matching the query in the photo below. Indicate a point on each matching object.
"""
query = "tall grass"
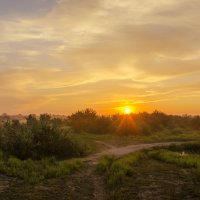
(118, 170)
(35, 171)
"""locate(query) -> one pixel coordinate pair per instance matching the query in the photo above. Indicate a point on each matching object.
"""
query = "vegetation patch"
(35, 171)
(181, 159)
(133, 124)
(152, 179)
(157, 172)
(38, 139)
(118, 169)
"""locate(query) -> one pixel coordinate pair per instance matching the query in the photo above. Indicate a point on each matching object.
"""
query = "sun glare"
(127, 110)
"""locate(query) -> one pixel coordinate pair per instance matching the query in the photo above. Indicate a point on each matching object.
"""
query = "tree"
(83, 120)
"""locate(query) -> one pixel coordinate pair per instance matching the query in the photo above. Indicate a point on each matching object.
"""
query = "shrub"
(38, 139)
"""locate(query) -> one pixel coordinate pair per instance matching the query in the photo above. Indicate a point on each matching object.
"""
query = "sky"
(60, 56)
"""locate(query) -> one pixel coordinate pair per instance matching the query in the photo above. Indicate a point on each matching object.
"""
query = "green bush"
(38, 139)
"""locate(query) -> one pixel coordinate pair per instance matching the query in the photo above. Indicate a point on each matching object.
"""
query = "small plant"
(118, 169)
(105, 163)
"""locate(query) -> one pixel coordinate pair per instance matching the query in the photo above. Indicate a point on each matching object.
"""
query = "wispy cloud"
(58, 56)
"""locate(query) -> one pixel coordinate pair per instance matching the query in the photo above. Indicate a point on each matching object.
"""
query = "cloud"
(10, 8)
(78, 53)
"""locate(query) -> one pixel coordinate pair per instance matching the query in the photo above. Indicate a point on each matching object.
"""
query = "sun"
(127, 110)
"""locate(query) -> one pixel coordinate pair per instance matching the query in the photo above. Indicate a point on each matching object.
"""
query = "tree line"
(140, 123)
(48, 136)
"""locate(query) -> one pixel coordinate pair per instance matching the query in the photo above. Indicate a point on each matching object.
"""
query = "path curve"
(121, 151)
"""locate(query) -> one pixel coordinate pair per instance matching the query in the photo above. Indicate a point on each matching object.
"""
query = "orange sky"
(58, 56)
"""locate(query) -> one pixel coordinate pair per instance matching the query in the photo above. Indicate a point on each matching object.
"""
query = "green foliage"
(179, 158)
(105, 163)
(118, 169)
(38, 139)
(35, 171)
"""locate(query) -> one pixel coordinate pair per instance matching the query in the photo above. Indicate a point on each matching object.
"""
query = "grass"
(183, 155)
(140, 175)
(152, 179)
(158, 172)
(86, 142)
(180, 159)
(35, 171)
(117, 170)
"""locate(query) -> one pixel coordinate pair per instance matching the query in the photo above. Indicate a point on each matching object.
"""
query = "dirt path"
(121, 151)
(85, 184)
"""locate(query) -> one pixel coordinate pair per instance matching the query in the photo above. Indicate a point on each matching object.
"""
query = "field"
(156, 173)
(51, 159)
